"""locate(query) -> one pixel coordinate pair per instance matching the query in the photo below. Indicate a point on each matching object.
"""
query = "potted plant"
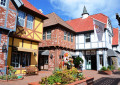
(105, 70)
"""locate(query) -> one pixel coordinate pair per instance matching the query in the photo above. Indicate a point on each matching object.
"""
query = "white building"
(95, 53)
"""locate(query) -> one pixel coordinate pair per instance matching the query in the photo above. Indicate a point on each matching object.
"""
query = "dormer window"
(3, 2)
(30, 21)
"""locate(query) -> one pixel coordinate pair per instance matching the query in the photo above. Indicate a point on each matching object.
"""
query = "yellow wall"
(34, 34)
(27, 45)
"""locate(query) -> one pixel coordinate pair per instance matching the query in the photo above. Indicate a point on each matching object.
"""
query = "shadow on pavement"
(107, 81)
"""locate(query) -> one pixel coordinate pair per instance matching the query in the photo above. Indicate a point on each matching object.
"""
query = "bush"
(111, 67)
(77, 60)
(63, 76)
(119, 68)
(9, 77)
(103, 69)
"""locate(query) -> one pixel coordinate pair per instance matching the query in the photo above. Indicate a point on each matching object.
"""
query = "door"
(88, 62)
(43, 62)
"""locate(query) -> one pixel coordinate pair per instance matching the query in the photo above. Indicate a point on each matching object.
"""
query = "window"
(3, 2)
(87, 37)
(65, 35)
(101, 60)
(20, 59)
(49, 34)
(68, 36)
(109, 39)
(21, 18)
(44, 35)
(46, 60)
(71, 37)
(30, 21)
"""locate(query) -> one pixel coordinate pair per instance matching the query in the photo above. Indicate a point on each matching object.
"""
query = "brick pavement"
(99, 79)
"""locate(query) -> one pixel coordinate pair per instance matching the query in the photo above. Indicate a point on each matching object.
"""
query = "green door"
(88, 62)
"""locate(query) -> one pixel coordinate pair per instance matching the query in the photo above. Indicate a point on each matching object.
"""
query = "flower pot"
(105, 72)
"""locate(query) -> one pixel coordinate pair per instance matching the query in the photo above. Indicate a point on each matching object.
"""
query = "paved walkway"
(28, 79)
(99, 79)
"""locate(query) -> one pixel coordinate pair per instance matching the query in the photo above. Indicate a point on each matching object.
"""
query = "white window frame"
(65, 35)
(68, 36)
(30, 23)
(4, 2)
(48, 34)
(21, 19)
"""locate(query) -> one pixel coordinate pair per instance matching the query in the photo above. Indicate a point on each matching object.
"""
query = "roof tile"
(115, 36)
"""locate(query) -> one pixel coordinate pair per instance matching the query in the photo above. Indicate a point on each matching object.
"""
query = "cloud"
(74, 8)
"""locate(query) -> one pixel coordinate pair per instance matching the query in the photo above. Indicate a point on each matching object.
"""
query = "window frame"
(21, 18)
(4, 2)
(87, 38)
(71, 37)
(65, 35)
(44, 35)
(48, 34)
(30, 22)
(68, 36)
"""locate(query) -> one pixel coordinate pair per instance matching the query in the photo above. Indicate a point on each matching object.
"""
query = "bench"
(31, 70)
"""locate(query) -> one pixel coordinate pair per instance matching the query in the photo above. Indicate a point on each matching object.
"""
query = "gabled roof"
(115, 36)
(55, 19)
(81, 25)
(31, 7)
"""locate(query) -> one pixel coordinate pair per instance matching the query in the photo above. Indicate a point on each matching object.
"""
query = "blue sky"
(71, 9)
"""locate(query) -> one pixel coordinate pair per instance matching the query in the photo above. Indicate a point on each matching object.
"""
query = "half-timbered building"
(95, 53)
(23, 43)
(58, 38)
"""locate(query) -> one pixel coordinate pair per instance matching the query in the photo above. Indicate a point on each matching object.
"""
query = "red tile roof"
(81, 25)
(31, 7)
(115, 36)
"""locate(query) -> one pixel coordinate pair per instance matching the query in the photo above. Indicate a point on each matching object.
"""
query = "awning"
(71, 53)
(111, 53)
(46, 52)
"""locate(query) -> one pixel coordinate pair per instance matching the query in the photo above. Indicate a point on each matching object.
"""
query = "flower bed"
(86, 81)
(10, 78)
(105, 70)
(63, 77)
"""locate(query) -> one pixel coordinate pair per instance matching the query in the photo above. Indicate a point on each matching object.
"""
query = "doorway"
(88, 62)
(91, 62)
(43, 63)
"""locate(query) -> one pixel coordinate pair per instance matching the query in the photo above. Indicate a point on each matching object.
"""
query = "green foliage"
(103, 69)
(63, 76)
(112, 67)
(11, 70)
(9, 77)
(77, 60)
(119, 69)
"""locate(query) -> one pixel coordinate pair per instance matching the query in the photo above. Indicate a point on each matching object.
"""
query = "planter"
(105, 72)
(86, 81)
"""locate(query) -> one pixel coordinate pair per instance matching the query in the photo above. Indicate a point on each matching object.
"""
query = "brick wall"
(57, 39)
(4, 39)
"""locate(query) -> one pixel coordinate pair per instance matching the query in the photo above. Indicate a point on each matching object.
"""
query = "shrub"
(103, 69)
(119, 68)
(111, 67)
(9, 77)
(77, 60)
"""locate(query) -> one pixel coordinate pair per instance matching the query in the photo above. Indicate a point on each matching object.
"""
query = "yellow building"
(23, 44)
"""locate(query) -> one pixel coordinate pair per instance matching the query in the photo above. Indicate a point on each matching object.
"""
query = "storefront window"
(20, 59)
